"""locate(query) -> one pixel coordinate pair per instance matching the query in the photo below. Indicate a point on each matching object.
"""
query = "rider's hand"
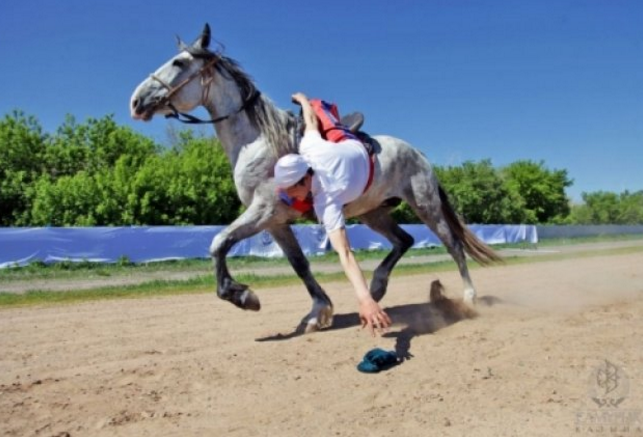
(373, 317)
(299, 98)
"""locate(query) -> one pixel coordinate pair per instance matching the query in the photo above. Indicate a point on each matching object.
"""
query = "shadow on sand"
(418, 319)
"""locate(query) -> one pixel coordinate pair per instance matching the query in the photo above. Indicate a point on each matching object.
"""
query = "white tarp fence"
(21, 246)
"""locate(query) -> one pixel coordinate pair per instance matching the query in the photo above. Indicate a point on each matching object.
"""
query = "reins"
(206, 79)
(191, 119)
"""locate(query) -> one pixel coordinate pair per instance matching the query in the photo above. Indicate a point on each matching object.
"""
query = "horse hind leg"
(321, 314)
(381, 222)
(428, 206)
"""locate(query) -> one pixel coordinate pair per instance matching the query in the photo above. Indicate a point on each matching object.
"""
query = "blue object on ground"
(377, 360)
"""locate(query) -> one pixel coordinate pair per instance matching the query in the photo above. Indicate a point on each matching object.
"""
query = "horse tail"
(473, 246)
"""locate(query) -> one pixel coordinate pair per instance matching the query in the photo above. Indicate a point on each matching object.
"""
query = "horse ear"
(204, 40)
(179, 42)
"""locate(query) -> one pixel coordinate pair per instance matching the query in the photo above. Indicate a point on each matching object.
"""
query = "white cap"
(289, 170)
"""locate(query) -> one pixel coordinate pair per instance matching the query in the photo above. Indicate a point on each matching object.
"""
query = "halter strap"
(206, 80)
(173, 90)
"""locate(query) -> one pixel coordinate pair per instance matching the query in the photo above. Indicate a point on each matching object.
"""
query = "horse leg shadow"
(420, 319)
(340, 321)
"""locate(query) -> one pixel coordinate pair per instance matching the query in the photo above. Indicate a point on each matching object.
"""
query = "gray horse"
(254, 134)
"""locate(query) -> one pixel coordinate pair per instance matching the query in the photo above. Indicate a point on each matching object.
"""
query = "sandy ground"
(556, 350)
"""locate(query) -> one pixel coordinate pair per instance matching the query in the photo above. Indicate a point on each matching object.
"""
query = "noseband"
(207, 75)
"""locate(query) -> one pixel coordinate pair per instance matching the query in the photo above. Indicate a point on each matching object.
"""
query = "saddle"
(353, 122)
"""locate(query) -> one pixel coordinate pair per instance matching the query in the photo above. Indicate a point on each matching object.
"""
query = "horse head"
(174, 86)
(198, 76)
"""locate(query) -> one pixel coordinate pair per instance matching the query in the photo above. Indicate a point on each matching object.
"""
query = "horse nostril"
(135, 103)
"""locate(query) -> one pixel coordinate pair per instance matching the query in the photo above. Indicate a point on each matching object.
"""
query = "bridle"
(207, 76)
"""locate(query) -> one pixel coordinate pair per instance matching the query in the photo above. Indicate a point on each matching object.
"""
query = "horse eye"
(178, 63)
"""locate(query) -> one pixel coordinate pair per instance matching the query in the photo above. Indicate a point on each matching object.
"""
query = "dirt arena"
(556, 350)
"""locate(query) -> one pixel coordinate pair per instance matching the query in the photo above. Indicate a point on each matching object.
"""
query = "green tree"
(631, 208)
(22, 144)
(602, 207)
(479, 194)
(201, 188)
(94, 145)
(66, 201)
(188, 184)
(542, 190)
(85, 172)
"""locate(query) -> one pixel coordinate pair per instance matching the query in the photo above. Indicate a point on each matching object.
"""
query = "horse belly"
(362, 205)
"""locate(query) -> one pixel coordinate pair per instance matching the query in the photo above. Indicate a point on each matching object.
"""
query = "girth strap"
(371, 172)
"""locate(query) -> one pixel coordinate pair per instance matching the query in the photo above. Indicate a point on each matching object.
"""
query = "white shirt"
(341, 173)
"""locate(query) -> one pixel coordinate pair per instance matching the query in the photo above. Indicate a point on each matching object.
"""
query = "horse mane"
(275, 124)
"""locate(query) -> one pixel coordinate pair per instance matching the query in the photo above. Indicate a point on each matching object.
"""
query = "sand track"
(196, 366)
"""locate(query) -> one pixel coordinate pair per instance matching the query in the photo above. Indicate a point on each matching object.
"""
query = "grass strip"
(205, 283)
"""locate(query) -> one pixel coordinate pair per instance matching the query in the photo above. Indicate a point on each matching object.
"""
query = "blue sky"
(558, 81)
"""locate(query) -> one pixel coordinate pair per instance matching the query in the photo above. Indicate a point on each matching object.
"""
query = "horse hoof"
(250, 301)
(470, 298)
(310, 328)
(323, 320)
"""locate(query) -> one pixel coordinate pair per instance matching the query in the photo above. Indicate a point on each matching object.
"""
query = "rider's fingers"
(377, 325)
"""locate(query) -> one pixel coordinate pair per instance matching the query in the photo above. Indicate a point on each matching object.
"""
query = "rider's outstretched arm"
(370, 313)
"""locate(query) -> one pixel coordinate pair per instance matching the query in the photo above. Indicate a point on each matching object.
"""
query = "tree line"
(97, 173)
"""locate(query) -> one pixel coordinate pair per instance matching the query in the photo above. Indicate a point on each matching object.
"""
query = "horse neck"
(264, 126)
(237, 130)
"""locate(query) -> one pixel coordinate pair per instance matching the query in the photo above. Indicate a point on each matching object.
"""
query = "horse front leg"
(381, 222)
(246, 225)
(321, 314)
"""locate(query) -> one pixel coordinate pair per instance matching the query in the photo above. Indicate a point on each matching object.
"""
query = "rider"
(334, 174)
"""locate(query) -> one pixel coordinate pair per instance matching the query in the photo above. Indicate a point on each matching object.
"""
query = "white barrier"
(576, 231)
(21, 246)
